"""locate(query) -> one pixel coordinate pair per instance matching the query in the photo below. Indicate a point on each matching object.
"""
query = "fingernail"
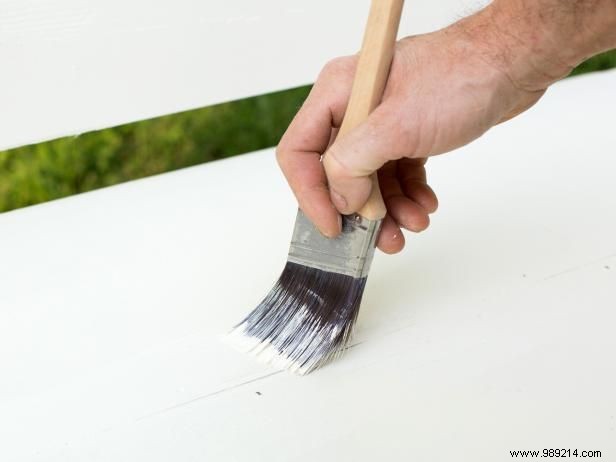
(339, 201)
(330, 233)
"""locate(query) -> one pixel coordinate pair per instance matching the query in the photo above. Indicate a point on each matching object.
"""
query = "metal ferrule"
(350, 253)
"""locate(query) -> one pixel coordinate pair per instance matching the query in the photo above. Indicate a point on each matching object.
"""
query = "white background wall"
(69, 66)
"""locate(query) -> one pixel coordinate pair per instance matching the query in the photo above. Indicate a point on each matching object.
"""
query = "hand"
(444, 90)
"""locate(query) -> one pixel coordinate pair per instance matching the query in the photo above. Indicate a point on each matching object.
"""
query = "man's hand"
(445, 89)
(441, 94)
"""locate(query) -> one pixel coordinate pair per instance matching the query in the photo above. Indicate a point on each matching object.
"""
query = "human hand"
(444, 90)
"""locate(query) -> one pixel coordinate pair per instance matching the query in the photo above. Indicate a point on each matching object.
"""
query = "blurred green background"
(59, 168)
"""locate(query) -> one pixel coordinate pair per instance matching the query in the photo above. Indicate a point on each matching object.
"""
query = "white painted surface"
(493, 331)
(70, 66)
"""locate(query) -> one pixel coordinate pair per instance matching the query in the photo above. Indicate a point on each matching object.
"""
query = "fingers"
(403, 209)
(305, 174)
(409, 201)
(310, 133)
(411, 174)
(421, 194)
(352, 158)
(407, 213)
(391, 239)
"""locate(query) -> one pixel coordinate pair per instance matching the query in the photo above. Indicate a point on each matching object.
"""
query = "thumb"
(353, 157)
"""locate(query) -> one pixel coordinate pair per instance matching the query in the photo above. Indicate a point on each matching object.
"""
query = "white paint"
(71, 66)
(493, 331)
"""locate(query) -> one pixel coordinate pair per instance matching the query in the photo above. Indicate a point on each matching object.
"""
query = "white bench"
(492, 332)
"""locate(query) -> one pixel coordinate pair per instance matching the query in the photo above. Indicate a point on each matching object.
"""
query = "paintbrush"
(307, 318)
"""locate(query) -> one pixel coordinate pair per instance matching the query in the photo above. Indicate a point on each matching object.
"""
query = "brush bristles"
(305, 321)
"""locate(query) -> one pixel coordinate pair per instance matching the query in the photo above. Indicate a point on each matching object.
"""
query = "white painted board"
(71, 66)
(493, 331)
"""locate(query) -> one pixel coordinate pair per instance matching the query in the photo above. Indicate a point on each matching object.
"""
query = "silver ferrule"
(349, 253)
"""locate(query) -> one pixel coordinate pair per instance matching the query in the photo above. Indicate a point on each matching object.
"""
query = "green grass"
(59, 168)
(600, 62)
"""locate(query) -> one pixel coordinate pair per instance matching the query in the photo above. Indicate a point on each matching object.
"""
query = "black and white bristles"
(305, 321)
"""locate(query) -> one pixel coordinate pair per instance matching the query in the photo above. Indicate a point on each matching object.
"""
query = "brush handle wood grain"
(375, 59)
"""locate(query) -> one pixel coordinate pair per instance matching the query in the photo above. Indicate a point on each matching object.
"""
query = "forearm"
(537, 42)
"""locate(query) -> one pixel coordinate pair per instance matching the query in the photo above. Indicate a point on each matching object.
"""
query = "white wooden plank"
(492, 332)
(71, 66)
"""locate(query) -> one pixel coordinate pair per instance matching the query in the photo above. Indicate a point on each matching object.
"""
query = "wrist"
(537, 42)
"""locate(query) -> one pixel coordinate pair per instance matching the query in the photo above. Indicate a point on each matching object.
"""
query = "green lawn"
(59, 168)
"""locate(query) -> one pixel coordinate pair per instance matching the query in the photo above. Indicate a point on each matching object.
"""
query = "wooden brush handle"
(375, 58)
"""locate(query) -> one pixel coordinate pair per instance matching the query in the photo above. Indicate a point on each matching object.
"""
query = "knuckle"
(282, 157)
(333, 167)
(337, 66)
